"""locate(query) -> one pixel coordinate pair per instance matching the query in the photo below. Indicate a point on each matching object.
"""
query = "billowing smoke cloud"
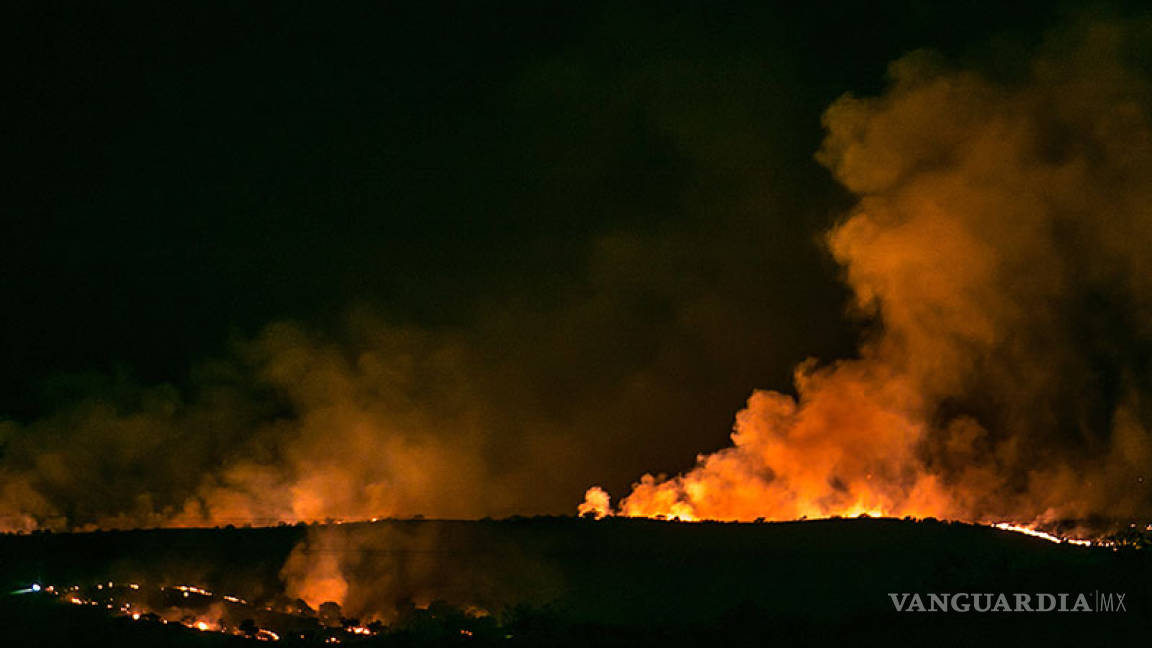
(557, 260)
(293, 428)
(997, 249)
(505, 417)
(1000, 248)
(508, 415)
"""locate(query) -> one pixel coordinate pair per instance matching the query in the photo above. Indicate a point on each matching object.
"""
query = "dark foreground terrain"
(570, 582)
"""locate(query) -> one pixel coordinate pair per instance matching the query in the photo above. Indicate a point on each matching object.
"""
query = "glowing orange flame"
(956, 252)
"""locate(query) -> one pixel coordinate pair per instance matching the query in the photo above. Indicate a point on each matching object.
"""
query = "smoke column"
(999, 249)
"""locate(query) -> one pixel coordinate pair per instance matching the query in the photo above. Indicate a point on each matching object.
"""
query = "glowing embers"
(189, 606)
(1017, 528)
(600, 510)
(1005, 526)
(187, 589)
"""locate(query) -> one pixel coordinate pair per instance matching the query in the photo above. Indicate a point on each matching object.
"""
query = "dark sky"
(633, 186)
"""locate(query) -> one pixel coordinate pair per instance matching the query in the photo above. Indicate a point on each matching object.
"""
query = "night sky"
(613, 211)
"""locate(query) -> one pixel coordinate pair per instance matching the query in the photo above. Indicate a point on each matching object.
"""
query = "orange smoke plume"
(998, 249)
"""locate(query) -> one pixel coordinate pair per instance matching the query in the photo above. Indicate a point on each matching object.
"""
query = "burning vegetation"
(197, 608)
(998, 252)
(998, 249)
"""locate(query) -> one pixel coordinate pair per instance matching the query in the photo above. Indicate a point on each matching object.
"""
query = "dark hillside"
(583, 582)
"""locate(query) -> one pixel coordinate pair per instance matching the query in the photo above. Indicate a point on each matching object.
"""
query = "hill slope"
(564, 580)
